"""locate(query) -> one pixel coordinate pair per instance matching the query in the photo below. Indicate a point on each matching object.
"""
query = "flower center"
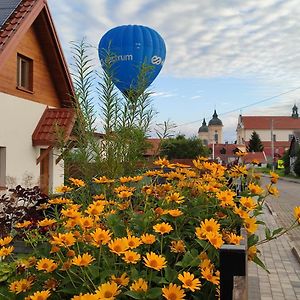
(153, 263)
(172, 296)
(108, 294)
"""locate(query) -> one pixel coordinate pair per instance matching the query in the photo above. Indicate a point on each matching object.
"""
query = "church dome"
(204, 127)
(215, 120)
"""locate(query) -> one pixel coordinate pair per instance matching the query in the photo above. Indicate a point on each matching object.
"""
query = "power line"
(242, 107)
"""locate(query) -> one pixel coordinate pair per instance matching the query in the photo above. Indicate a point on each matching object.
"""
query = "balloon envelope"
(131, 49)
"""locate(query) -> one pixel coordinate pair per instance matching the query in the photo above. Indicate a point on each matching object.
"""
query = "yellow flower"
(163, 162)
(77, 182)
(85, 297)
(131, 257)
(226, 198)
(46, 222)
(242, 213)
(94, 209)
(63, 239)
(108, 291)
(71, 213)
(124, 194)
(163, 228)
(125, 179)
(46, 264)
(148, 238)
(272, 190)
(60, 201)
(297, 213)
(250, 225)
(207, 274)
(154, 261)
(63, 189)
(103, 179)
(248, 203)
(85, 222)
(6, 240)
(41, 295)
(251, 252)
(177, 246)
(139, 285)
(175, 197)
(5, 251)
(20, 286)
(189, 281)
(274, 177)
(100, 237)
(207, 226)
(255, 189)
(175, 212)
(215, 239)
(122, 280)
(133, 241)
(241, 153)
(25, 224)
(234, 239)
(137, 178)
(173, 292)
(83, 260)
(118, 246)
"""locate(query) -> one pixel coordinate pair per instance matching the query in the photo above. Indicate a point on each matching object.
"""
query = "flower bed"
(131, 238)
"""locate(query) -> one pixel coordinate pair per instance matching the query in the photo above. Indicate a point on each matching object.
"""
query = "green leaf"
(252, 240)
(268, 233)
(260, 263)
(134, 295)
(154, 293)
(170, 274)
(277, 231)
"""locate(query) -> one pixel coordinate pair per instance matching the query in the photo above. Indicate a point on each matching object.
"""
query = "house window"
(274, 137)
(25, 73)
(2, 167)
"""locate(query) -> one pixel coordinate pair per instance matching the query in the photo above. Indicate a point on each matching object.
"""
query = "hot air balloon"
(129, 51)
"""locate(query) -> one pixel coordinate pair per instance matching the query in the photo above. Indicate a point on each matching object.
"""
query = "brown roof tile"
(15, 20)
(45, 133)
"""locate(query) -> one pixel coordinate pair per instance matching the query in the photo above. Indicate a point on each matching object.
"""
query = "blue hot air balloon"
(130, 49)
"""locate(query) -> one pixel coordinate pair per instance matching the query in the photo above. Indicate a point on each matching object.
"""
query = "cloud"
(204, 38)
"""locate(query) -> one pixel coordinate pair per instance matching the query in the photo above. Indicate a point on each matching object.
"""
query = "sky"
(238, 57)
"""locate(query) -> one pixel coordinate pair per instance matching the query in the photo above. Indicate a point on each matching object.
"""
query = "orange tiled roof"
(265, 122)
(45, 134)
(259, 156)
(15, 20)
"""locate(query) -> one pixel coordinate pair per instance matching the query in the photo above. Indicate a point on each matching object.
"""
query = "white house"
(275, 132)
(35, 96)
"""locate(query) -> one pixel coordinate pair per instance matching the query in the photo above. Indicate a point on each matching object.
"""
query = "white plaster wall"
(18, 119)
(265, 135)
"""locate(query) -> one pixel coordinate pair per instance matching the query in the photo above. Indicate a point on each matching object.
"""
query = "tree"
(181, 147)
(297, 164)
(255, 144)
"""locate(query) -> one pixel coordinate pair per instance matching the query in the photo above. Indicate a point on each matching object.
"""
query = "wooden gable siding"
(44, 90)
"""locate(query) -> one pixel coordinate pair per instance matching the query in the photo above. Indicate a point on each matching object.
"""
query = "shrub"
(130, 238)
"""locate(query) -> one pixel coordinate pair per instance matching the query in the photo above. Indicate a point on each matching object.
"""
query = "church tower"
(295, 114)
(215, 132)
(203, 133)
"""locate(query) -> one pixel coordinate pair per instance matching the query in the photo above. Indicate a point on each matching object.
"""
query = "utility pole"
(272, 144)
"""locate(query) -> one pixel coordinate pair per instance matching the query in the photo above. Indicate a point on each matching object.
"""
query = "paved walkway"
(283, 282)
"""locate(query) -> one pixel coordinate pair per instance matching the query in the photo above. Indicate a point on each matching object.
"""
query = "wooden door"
(44, 172)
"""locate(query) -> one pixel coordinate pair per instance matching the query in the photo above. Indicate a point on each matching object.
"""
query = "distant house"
(35, 95)
(258, 157)
(225, 153)
(275, 132)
